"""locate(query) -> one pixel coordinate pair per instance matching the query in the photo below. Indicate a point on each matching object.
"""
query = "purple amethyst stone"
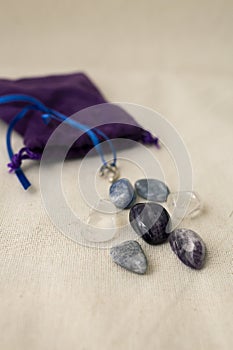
(150, 221)
(189, 247)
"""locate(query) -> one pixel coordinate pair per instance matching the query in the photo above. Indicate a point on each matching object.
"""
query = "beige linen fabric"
(175, 57)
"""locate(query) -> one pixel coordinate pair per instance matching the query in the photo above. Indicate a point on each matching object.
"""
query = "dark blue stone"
(189, 247)
(150, 221)
(152, 190)
(122, 194)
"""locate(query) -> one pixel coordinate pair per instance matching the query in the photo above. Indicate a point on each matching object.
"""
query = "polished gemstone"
(184, 204)
(188, 246)
(150, 221)
(152, 189)
(101, 222)
(130, 256)
(122, 194)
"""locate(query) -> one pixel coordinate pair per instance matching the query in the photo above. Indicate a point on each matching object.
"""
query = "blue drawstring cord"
(48, 113)
(19, 173)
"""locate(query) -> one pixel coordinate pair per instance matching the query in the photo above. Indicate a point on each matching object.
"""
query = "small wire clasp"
(109, 171)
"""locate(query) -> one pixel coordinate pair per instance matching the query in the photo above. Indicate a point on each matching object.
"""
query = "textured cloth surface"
(175, 57)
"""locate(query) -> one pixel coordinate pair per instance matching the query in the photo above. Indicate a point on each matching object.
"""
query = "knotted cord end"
(149, 139)
(24, 153)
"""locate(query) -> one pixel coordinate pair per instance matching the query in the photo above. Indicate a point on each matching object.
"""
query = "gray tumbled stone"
(122, 194)
(130, 256)
(189, 247)
(152, 190)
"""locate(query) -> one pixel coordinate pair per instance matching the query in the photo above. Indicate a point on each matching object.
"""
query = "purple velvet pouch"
(66, 94)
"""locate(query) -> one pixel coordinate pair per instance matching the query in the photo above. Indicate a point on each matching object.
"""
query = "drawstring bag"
(35, 107)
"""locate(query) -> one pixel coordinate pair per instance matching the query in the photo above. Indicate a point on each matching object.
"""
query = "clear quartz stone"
(101, 222)
(184, 204)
